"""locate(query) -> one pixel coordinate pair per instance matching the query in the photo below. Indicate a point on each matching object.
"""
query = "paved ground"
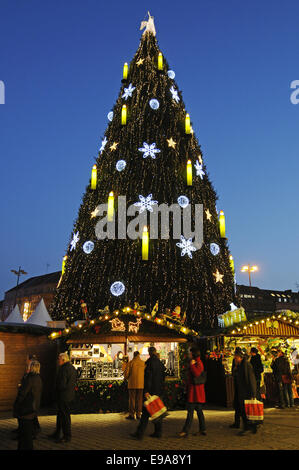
(280, 431)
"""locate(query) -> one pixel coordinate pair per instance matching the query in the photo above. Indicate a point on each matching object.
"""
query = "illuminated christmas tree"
(149, 156)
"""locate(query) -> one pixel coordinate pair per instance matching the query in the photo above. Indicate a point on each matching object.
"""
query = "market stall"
(264, 333)
(100, 348)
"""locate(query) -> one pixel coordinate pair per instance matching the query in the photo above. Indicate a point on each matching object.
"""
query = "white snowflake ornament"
(128, 91)
(174, 93)
(199, 170)
(149, 150)
(186, 246)
(75, 240)
(104, 142)
(145, 203)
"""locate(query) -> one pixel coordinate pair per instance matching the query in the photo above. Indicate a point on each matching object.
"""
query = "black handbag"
(201, 379)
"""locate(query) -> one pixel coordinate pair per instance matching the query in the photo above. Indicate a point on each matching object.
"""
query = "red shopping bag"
(156, 408)
(254, 410)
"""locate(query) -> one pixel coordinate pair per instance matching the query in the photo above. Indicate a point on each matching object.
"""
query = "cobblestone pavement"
(280, 431)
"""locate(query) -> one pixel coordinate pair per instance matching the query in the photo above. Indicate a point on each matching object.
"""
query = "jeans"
(191, 407)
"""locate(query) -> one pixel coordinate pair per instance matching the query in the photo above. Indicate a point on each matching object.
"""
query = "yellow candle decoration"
(222, 224)
(93, 183)
(189, 173)
(124, 115)
(125, 71)
(145, 243)
(160, 61)
(63, 265)
(187, 124)
(232, 264)
(110, 210)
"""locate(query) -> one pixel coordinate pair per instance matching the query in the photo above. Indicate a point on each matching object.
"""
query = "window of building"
(2, 353)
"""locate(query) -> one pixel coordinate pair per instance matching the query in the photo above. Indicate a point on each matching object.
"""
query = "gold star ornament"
(140, 62)
(113, 146)
(218, 276)
(171, 143)
(208, 214)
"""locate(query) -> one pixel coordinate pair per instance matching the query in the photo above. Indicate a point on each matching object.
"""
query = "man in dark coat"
(154, 377)
(283, 378)
(245, 388)
(258, 369)
(65, 394)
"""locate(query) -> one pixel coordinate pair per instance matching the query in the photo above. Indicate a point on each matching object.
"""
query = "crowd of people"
(145, 380)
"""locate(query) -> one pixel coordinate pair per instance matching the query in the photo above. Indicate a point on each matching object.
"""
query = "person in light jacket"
(134, 373)
(195, 395)
(27, 405)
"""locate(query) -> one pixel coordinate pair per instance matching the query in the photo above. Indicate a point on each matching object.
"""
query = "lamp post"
(249, 269)
(18, 274)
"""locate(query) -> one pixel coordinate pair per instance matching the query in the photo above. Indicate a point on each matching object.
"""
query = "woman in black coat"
(27, 404)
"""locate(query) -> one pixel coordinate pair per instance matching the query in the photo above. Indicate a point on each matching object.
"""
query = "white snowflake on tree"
(75, 240)
(199, 170)
(128, 91)
(149, 150)
(174, 93)
(186, 246)
(145, 203)
(104, 142)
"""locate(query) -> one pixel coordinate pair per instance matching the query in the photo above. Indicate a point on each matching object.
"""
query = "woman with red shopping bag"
(245, 389)
(195, 394)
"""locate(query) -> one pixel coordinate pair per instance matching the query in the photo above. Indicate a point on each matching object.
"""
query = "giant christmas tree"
(150, 156)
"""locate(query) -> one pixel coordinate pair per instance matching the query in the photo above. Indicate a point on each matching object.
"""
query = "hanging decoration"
(199, 170)
(186, 246)
(104, 142)
(218, 277)
(128, 91)
(74, 241)
(117, 325)
(171, 143)
(214, 249)
(134, 326)
(149, 150)
(140, 62)
(117, 288)
(121, 165)
(171, 74)
(84, 309)
(93, 181)
(113, 146)
(208, 214)
(145, 203)
(88, 247)
(174, 94)
(95, 213)
(110, 116)
(154, 104)
(183, 201)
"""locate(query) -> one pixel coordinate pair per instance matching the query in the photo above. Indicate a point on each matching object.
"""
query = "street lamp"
(249, 269)
(18, 274)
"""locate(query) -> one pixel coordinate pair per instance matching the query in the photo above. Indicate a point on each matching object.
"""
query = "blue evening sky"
(61, 62)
